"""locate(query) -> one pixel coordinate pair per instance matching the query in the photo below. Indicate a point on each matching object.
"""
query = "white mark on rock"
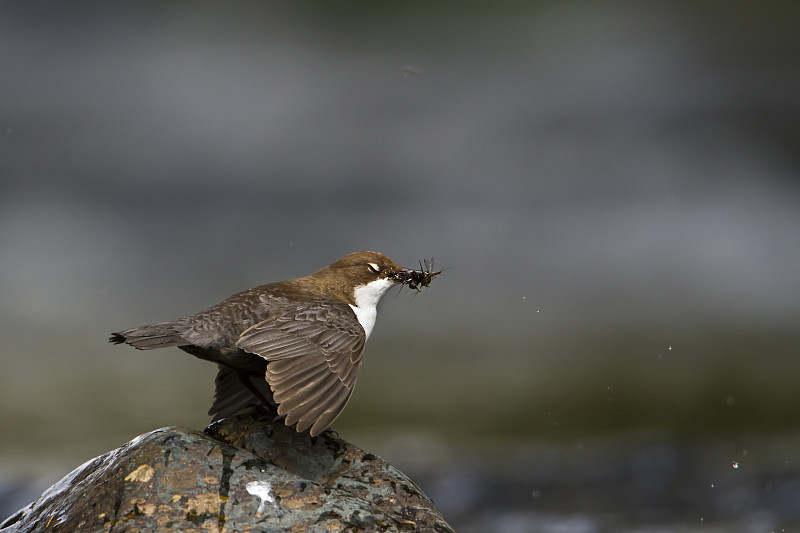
(263, 490)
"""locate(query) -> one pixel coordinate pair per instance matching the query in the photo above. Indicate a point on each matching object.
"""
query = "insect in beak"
(418, 278)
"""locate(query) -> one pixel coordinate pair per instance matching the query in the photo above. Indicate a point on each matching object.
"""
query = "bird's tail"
(149, 337)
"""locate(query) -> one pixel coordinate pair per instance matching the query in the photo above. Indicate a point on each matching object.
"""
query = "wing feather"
(291, 394)
(231, 396)
(336, 406)
(319, 407)
(313, 355)
(304, 402)
(292, 382)
(292, 366)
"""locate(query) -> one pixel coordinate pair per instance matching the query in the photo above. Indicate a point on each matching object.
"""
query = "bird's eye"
(373, 268)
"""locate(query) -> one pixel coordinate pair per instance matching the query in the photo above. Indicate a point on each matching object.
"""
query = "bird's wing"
(232, 397)
(314, 354)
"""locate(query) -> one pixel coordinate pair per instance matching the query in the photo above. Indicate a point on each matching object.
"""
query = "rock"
(242, 474)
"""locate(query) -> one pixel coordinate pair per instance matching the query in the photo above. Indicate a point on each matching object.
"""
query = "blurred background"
(614, 188)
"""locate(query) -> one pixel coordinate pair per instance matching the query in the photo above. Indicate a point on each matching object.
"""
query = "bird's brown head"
(354, 270)
(360, 269)
(366, 266)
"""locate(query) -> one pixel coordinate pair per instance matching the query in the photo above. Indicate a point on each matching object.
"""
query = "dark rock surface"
(242, 474)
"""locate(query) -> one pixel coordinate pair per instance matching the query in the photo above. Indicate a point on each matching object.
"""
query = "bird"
(295, 344)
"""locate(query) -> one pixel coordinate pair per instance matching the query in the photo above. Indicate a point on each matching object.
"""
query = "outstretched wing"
(314, 354)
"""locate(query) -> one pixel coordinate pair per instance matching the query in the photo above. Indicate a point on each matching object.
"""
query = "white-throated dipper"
(296, 343)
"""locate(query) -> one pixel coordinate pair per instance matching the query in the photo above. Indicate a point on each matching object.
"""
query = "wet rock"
(242, 474)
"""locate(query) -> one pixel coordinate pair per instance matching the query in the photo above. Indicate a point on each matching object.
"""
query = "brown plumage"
(296, 343)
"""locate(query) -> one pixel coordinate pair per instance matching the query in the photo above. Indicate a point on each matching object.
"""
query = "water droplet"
(536, 494)
(730, 401)
(735, 465)
(524, 297)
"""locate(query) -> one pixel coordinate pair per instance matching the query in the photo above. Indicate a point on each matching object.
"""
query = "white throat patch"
(367, 298)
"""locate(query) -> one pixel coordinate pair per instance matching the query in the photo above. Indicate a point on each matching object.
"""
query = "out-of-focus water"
(614, 186)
